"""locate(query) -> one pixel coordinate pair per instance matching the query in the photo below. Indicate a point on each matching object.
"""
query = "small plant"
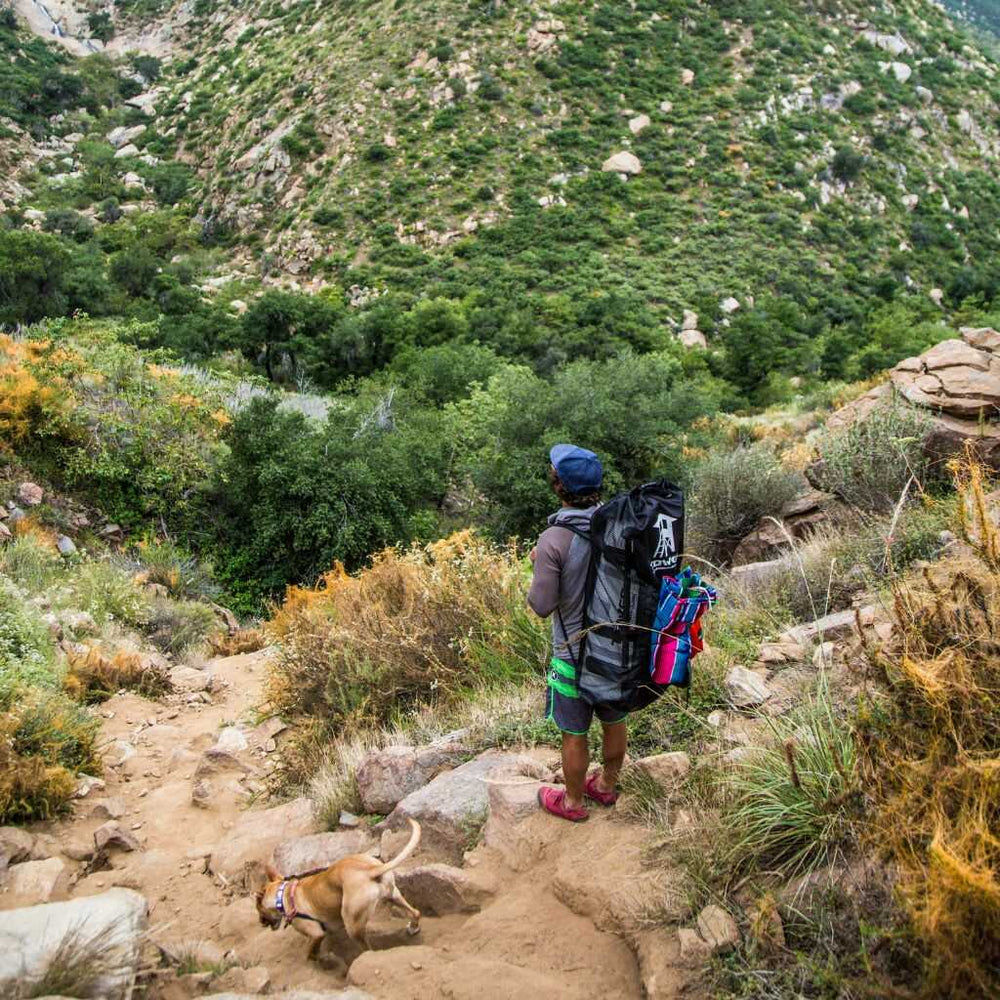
(874, 460)
(94, 677)
(109, 592)
(177, 627)
(81, 965)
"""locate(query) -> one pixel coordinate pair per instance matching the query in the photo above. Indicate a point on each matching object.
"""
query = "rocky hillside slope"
(692, 152)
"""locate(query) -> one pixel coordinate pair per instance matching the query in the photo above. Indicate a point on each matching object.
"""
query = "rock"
(189, 679)
(85, 784)
(15, 846)
(231, 739)
(5, 533)
(202, 793)
(118, 751)
(267, 730)
(984, 338)
(389, 775)
(687, 77)
(111, 835)
(729, 305)
(348, 820)
(658, 955)
(112, 807)
(781, 652)
(623, 163)
(666, 769)
(438, 890)
(718, 929)
(894, 44)
(797, 520)
(238, 306)
(823, 655)
(901, 71)
(65, 545)
(112, 533)
(666, 107)
(952, 377)
(745, 688)
(693, 949)
(638, 124)
(32, 882)
(16, 514)
(936, 295)
(215, 761)
(693, 339)
(690, 320)
(121, 136)
(128, 150)
(926, 96)
(145, 102)
(32, 937)
(837, 625)
(509, 806)
(245, 848)
(452, 808)
(30, 494)
(320, 850)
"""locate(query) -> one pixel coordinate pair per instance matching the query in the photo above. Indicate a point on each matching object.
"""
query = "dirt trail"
(561, 917)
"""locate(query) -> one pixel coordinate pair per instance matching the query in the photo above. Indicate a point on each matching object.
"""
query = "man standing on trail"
(561, 560)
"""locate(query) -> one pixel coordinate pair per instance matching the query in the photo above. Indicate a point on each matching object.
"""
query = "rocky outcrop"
(797, 520)
(320, 850)
(957, 382)
(111, 925)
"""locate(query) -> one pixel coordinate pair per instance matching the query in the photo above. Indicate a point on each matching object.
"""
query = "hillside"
(826, 153)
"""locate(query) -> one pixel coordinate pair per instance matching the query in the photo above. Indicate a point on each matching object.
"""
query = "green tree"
(32, 269)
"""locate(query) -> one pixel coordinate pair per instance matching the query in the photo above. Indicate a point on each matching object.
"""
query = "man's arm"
(543, 595)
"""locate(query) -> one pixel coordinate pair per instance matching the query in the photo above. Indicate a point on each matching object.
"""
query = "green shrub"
(30, 563)
(26, 648)
(870, 463)
(177, 627)
(732, 491)
(109, 592)
(184, 575)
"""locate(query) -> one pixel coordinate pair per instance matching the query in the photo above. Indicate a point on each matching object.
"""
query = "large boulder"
(241, 855)
(15, 845)
(452, 808)
(110, 925)
(389, 775)
(622, 163)
(320, 850)
(32, 882)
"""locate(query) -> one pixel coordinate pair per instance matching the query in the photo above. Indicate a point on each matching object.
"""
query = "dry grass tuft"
(93, 676)
(245, 640)
(932, 753)
(30, 787)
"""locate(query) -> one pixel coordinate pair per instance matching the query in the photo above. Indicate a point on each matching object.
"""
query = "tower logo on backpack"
(665, 554)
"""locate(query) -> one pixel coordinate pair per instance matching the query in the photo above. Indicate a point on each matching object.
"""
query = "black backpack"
(636, 539)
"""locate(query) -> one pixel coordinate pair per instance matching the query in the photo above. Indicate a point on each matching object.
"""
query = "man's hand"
(533, 553)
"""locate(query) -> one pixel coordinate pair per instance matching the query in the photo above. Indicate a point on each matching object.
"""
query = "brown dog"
(347, 892)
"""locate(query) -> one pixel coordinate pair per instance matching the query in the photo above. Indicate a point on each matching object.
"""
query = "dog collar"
(288, 910)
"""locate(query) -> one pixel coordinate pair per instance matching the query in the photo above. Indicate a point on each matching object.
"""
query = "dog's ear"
(272, 873)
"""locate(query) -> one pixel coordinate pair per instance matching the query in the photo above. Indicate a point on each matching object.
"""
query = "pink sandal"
(592, 792)
(553, 800)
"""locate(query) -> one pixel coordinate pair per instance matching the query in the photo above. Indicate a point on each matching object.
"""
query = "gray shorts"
(565, 707)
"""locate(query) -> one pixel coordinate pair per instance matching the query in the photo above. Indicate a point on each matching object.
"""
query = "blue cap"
(579, 470)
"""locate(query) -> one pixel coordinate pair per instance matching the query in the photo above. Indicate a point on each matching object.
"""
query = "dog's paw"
(413, 929)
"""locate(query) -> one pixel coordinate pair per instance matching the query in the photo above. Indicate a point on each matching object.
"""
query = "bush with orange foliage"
(933, 755)
(424, 624)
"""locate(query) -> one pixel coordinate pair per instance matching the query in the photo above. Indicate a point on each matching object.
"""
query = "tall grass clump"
(427, 624)
(870, 462)
(793, 803)
(732, 491)
(109, 592)
(931, 753)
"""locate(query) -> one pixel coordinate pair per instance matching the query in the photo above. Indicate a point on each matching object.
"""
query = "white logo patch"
(666, 546)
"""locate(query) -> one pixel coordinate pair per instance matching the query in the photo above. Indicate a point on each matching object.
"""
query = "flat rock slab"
(251, 841)
(32, 882)
(838, 625)
(453, 807)
(112, 923)
(320, 850)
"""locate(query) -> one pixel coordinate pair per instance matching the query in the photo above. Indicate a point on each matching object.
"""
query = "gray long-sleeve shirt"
(560, 578)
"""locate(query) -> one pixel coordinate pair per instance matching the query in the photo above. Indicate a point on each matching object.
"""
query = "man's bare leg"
(575, 758)
(614, 742)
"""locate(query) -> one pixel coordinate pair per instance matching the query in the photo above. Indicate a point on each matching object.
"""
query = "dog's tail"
(411, 846)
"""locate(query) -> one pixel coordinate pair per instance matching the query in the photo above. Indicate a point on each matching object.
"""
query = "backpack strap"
(576, 661)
